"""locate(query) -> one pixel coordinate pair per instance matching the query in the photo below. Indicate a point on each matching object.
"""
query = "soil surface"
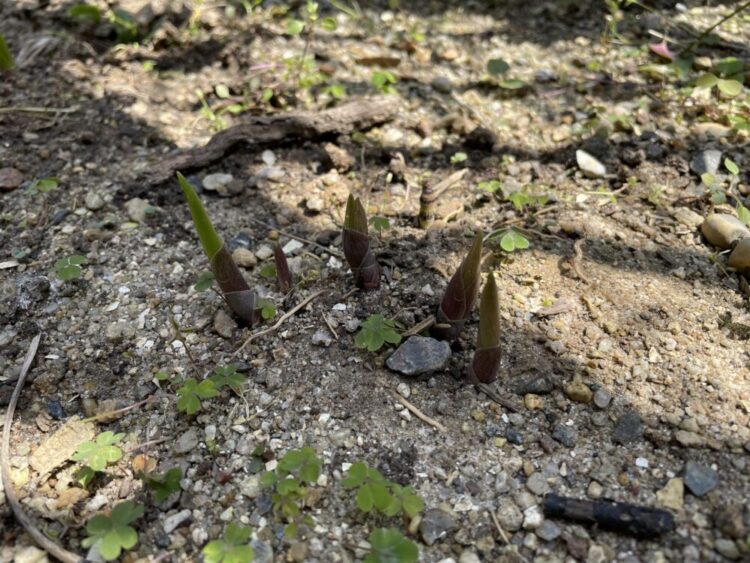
(624, 335)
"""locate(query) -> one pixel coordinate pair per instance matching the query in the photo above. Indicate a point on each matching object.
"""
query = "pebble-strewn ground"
(631, 381)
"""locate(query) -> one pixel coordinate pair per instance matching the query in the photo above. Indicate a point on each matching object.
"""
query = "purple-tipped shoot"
(460, 295)
(283, 274)
(357, 246)
(484, 366)
(238, 295)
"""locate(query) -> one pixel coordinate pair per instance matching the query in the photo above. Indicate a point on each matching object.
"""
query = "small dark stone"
(628, 428)
(264, 503)
(30, 290)
(418, 355)
(699, 478)
(481, 138)
(326, 238)
(547, 443)
(566, 435)
(513, 436)
(242, 240)
(55, 410)
(58, 216)
(197, 182)
(706, 161)
(492, 430)
(730, 521)
(161, 539)
(538, 384)
(632, 157)
(435, 525)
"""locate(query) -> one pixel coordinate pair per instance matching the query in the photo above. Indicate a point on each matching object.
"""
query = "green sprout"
(383, 81)
(512, 240)
(101, 452)
(376, 331)
(498, 68)
(191, 393)
(69, 268)
(729, 81)
(390, 546)
(6, 58)
(268, 270)
(85, 13)
(228, 376)
(490, 186)
(112, 534)
(267, 309)
(379, 223)
(731, 166)
(164, 485)
(458, 157)
(204, 281)
(232, 548)
(43, 186)
(375, 491)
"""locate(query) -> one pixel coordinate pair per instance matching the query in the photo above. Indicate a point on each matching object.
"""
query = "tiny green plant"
(112, 534)
(731, 166)
(388, 545)
(511, 240)
(716, 190)
(232, 548)
(6, 58)
(69, 268)
(101, 452)
(376, 492)
(294, 473)
(267, 309)
(165, 484)
(43, 186)
(191, 393)
(490, 186)
(458, 158)
(383, 81)
(380, 224)
(376, 331)
(498, 68)
(228, 376)
(268, 270)
(85, 13)
(729, 79)
(205, 280)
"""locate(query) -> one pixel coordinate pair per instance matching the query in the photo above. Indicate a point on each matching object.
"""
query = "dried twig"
(330, 327)
(35, 109)
(419, 414)
(108, 414)
(420, 326)
(575, 262)
(487, 390)
(500, 530)
(278, 323)
(48, 545)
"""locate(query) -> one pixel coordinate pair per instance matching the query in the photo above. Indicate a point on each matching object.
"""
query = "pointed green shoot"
(210, 239)
(356, 243)
(355, 218)
(489, 316)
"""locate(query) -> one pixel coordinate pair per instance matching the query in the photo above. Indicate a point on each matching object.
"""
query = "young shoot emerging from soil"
(357, 246)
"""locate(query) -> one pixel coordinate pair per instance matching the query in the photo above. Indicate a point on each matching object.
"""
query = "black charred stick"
(622, 517)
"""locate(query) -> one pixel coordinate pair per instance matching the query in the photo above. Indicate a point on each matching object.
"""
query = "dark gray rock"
(30, 290)
(537, 383)
(435, 525)
(418, 355)
(566, 435)
(242, 240)
(548, 531)
(513, 436)
(700, 479)
(628, 428)
(706, 161)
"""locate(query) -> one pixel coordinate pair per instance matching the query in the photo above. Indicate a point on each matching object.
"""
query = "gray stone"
(739, 259)
(435, 525)
(322, 337)
(93, 201)
(263, 551)
(10, 178)
(119, 331)
(271, 173)
(187, 442)
(314, 204)
(688, 217)
(537, 484)
(700, 479)
(566, 435)
(532, 517)
(224, 325)
(723, 230)
(244, 258)
(264, 252)
(706, 161)
(442, 84)
(171, 523)
(628, 428)
(510, 517)
(727, 548)
(602, 398)
(217, 182)
(589, 165)
(537, 384)
(548, 531)
(418, 355)
(138, 209)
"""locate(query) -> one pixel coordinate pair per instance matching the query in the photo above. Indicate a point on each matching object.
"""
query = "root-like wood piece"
(274, 129)
(43, 541)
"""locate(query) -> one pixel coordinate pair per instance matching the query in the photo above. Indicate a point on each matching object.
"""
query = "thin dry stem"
(419, 414)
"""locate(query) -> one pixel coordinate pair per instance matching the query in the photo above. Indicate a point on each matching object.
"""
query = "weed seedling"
(205, 280)
(512, 240)
(69, 268)
(375, 332)
(228, 376)
(101, 452)
(357, 246)
(191, 394)
(729, 81)
(497, 68)
(6, 58)
(232, 548)
(388, 545)
(112, 534)
(165, 484)
(267, 309)
(375, 491)
(383, 81)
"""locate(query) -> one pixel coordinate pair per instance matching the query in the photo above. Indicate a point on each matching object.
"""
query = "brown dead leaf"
(61, 445)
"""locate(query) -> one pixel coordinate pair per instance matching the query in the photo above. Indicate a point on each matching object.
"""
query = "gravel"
(419, 355)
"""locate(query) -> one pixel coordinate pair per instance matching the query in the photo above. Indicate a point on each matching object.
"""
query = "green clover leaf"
(375, 332)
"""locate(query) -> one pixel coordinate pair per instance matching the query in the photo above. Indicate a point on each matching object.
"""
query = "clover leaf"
(204, 281)
(112, 534)
(375, 332)
(102, 451)
(513, 240)
(69, 268)
(232, 548)
(390, 546)
(228, 376)
(164, 485)
(192, 392)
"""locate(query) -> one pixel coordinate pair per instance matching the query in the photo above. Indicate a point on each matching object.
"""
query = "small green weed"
(112, 534)
(228, 376)
(69, 268)
(729, 79)
(6, 58)
(101, 452)
(205, 280)
(383, 81)
(43, 186)
(191, 394)
(497, 68)
(388, 545)
(375, 491)
(165, 484)
(380, 224)
(232, 548)
(267, 309)
(459, 157)
(375, 332)
(511, 240)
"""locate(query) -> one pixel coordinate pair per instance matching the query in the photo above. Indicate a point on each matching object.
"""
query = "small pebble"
(419, 355)
(322, 337)
(602, 398)
(700, 479)
(566, 435)
(244, 258)
(548, 531)
(628, 428)
(589, 165)
(94, 201)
